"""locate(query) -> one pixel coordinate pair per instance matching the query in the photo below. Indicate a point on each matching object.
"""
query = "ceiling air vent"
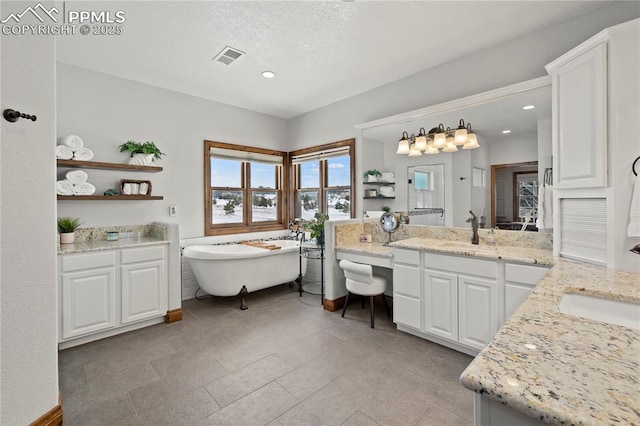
(228, 55)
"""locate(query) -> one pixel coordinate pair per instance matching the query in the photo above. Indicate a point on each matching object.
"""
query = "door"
(144, 291)
(478, 319)
(440, 308)
(88, 301)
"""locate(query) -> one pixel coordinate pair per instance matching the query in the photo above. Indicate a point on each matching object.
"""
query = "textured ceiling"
(322, 51)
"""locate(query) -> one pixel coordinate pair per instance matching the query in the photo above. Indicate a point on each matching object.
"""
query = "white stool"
(362, 281)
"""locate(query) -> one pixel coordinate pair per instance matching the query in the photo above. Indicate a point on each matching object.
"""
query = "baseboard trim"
(173, 315)
(52, 417)
(334, 305)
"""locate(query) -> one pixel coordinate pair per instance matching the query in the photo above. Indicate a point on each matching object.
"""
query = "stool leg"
(346, 303)
(386, 306)
(371, 302)
(362, 304)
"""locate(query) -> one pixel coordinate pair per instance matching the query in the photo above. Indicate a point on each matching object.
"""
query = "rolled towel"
(72, 141)
(63, 152)
(84, 188)
(83, 154)
(64, 187)
(76, 176)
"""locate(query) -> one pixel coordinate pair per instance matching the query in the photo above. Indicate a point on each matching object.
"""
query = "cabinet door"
(88, 301)
(478, 299)
(514, 295)
(406, 295)
(580, 120)
(441, 304)
(144, 291)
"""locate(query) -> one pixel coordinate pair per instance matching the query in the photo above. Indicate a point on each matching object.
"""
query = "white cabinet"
(452, 300)
(88, 294)
(441, 304)
(143, 284)
(102, 292)
(478, 311)
(406, 288)
(580, 119)
(519, 281)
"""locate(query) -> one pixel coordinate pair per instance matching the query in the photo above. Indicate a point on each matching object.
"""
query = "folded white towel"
(84, 188)
(76, 176)
(83, 154)
(633, 230)
(72, 141)
(64, 187)
(63, 152)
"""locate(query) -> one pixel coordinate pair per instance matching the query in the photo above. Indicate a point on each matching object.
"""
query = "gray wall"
(28, 308)
(106, 111)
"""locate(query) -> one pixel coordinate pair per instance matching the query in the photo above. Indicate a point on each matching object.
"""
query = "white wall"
(106, 111)
(517, 149)
(28, 308)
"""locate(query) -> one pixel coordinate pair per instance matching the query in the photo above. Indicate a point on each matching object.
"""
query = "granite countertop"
(97, 245)
(463, 248)
(560, 368)
(372, 249)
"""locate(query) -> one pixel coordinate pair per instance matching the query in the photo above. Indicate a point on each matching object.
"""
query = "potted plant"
(142, 153)
(317, 227)
(67, 227)
(372, 175)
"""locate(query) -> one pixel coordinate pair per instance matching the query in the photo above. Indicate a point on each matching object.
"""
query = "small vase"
(67, 237)
(372, 178)
(141, 159)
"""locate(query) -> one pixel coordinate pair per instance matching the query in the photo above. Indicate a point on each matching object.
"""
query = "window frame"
(247, 225)
(323, 181)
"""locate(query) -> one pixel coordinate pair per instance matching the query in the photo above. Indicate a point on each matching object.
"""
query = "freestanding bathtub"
(237, 269)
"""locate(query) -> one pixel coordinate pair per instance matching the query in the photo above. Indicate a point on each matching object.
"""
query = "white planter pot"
(371, 178)
(67, 237)
(141, 159)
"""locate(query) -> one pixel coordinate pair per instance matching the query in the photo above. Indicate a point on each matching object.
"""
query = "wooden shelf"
(106, 166)
(378, 198)
(109, 197)
(379, 183)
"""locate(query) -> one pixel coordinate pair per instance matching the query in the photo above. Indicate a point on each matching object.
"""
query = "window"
(244, 188)
(324, 180)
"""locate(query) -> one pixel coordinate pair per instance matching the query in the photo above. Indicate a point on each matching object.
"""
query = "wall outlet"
(172, 210)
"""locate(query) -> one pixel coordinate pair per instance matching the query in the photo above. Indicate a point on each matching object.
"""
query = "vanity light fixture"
(438, 138)
(268, 74)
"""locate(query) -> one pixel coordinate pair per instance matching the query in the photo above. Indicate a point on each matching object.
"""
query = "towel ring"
(633, 167)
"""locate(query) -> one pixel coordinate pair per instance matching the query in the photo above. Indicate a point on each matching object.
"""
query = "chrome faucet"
(474, 226)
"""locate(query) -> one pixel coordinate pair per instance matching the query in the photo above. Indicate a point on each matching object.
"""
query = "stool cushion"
(361, 279)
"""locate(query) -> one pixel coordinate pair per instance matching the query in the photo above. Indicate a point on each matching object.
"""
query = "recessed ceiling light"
(506, 131)
(268, 74)
(529, 107)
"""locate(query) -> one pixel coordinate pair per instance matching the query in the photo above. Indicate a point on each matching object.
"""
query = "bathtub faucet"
(295, 227)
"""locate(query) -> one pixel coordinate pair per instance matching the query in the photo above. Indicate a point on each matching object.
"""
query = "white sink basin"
(596, 308)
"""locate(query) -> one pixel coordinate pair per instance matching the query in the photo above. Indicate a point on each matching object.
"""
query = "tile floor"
(284, 361)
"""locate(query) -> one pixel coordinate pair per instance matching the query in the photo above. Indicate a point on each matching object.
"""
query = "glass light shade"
(403, 146)
(451, 146)
(413, 152)
(461, 137)
(421, 142)
(440, 140)
(431, 149)
(473, 142)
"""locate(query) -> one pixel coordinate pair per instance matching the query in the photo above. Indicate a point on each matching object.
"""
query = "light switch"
(172, 210)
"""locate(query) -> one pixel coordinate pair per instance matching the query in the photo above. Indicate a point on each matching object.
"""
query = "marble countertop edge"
(98, 245)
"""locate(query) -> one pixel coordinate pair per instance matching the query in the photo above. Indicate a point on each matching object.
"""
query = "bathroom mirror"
(506, 131)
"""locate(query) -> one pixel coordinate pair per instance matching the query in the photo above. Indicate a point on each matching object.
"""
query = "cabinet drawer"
(406, 280)
(142, 254)
(406, 256)
(88, 261)
(406, 311)
(465, 265)
(524, 273)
